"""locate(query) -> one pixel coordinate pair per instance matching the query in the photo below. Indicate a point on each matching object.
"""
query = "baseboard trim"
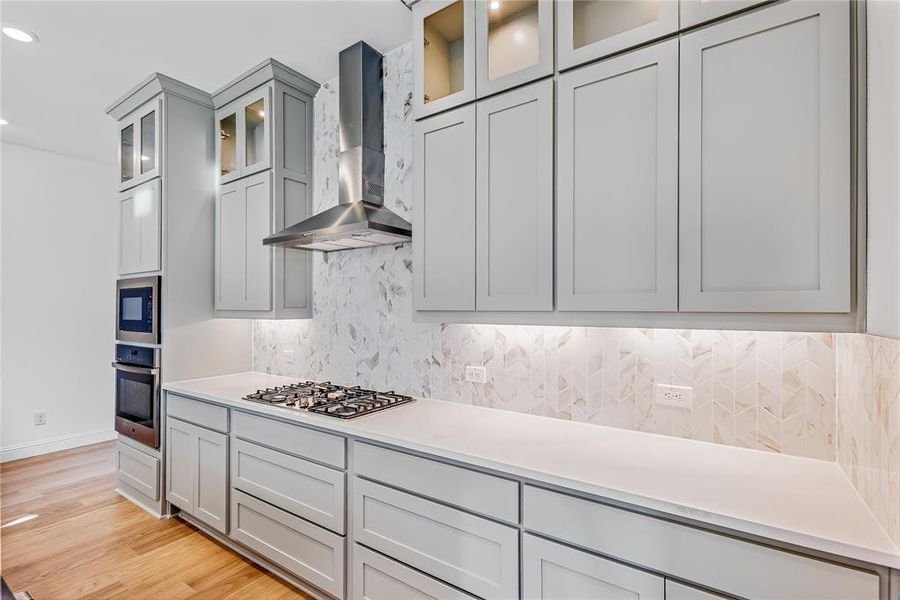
(65, 442)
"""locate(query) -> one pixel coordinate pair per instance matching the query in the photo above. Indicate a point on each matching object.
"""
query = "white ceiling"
(53, 93)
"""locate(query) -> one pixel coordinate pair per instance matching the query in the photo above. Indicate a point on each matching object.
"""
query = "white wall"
(57, 274)
(883, 32)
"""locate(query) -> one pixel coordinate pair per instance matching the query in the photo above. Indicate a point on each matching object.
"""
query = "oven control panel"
(136, 355)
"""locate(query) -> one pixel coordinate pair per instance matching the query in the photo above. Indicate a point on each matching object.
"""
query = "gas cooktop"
(328, 399)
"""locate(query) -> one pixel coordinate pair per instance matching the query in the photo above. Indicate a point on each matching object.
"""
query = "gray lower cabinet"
(306, 550)
(311, 491)
(243, 264)
(197, 472)
(140, 228)
(444, 215)
(765, 196)
(617, 183)
(551, 571)
(377, 577)
(474, 554)
(514, 199)
(138, 471)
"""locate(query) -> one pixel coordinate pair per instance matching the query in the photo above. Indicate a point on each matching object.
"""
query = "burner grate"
(328, 399)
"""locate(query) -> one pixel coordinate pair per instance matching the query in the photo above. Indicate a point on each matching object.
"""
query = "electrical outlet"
(674, 395)
(40, 418)
(476, 374)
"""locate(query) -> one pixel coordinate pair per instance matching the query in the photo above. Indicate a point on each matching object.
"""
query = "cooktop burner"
(328, 399)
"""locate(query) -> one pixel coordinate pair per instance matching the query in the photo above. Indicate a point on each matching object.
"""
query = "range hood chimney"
(360, 220)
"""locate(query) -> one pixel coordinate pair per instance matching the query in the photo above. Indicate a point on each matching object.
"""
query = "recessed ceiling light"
(18, 34)
(495, 5)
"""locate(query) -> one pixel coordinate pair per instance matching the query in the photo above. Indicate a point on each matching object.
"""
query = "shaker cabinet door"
(591, 29)
(514, 215)
(243, 263)
(765, 193)
(552, 571)
(444, 215)
(617, 183)
(180, 464)
(140, 229)
(211, 484)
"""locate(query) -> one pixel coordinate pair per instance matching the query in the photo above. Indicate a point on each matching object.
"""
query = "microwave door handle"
(139, 370)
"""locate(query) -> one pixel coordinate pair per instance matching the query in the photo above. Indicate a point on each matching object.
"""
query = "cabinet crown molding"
(154, 84)
(268, 70)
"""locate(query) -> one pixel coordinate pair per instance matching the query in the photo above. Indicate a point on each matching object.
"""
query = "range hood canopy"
(360, 220)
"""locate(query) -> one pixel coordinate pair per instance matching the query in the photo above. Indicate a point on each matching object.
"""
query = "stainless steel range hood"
(360, 220)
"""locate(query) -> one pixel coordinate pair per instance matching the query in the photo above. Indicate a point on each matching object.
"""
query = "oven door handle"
(130, 369)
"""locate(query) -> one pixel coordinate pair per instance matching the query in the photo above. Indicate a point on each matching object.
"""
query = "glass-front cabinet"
(139, 143)
(591, 29)
(443, 55)
(514, 43)
(243, 135)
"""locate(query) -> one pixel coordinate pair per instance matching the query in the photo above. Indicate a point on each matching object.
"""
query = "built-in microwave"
(137, 310)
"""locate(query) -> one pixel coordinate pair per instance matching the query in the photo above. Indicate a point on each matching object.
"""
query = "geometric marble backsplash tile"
(868, 415)
(766, 390)
(771, 391)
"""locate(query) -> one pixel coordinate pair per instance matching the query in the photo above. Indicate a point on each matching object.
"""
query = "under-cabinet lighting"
(19, 35)
(495, 5)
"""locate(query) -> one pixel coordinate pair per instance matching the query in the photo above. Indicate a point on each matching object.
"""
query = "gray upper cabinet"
(140, 141)
(591, 29)
(513, 42)
(765, 165)
(444, 214)
(552, 571)
(617, 183)
(244, 265)
(197, 472)
(514, 220)
(443, 55)
(244, 135)
(694, 12)
(140, 229)
(264, 170)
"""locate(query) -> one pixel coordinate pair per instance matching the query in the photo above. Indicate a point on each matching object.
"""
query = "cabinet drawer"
(376, 577)
(469, 552)
(551, 571)
(138, 470)
(474, 491)
(742, 568)
(306, 489)
(302, 548)
(200, 413)
(294, 439)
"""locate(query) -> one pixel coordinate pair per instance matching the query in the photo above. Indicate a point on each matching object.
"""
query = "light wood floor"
(89, 542)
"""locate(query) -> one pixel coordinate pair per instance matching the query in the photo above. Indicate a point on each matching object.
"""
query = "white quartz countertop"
(809, 503)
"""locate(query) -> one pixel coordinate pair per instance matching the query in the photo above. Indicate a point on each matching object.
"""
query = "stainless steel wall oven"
(138, 393)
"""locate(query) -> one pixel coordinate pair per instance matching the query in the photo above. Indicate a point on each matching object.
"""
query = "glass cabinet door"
(148, 142)
(590, 29)
(139, 145)
(256, 134)
(126, 153)
(227, 140)
(444, 54)
(514, 43)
